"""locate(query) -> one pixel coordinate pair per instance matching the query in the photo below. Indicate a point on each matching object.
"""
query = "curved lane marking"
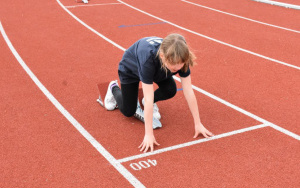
(215, 40)
(265, 122)
(241, 17)
(70, 118)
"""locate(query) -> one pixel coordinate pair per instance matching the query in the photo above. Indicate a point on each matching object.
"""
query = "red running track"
(272, 89)
(39, 147)
(69, 60)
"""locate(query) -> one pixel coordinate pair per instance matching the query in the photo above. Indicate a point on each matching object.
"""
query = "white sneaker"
(156, 113)
(85, 1)
(110, 102)
(139, 113)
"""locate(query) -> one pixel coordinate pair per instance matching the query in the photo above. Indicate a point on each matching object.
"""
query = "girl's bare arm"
(192, 103)
(149, 139)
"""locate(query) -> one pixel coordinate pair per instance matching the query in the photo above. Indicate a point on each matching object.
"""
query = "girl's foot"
(156, 113)
(110, 102)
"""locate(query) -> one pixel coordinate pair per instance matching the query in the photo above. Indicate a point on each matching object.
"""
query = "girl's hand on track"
(148, 142)
(200, 129)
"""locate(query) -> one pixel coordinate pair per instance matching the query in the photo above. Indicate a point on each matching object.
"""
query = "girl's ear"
(161, 55)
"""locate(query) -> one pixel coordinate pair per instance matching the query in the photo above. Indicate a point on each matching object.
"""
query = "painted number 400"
(143, 164)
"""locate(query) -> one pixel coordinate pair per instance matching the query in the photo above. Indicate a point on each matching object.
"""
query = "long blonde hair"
(175, 51)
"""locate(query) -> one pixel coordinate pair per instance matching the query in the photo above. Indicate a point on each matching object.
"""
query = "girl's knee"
(128, 114)
(172, 92)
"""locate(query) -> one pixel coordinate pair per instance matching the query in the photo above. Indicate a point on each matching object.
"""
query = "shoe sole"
(108, 90)
(102, 87)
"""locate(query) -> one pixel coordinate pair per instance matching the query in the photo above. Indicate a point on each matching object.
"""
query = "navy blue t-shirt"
(141, 63)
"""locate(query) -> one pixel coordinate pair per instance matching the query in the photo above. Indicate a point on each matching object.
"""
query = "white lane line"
(74, 6)
(291, 134)
(87, 26)
(215, 40)
(191, 143)
(286, 5)
(241, 17)
(70, 118)
(297, 137)
(194, 87)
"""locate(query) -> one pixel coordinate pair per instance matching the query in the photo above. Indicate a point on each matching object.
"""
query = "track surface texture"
(247, 84)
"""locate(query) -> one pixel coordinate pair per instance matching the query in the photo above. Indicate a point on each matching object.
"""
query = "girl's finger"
(140, 145)
(156, 143)
(196, 134)
(146, 149)
(205, 135)
(143, 147)
(210, 134)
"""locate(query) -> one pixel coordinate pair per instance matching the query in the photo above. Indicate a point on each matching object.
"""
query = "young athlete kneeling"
(149, 60)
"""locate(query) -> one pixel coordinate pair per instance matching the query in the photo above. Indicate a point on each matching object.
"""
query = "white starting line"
(265, 122)
(117, 163)
(191, 143)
